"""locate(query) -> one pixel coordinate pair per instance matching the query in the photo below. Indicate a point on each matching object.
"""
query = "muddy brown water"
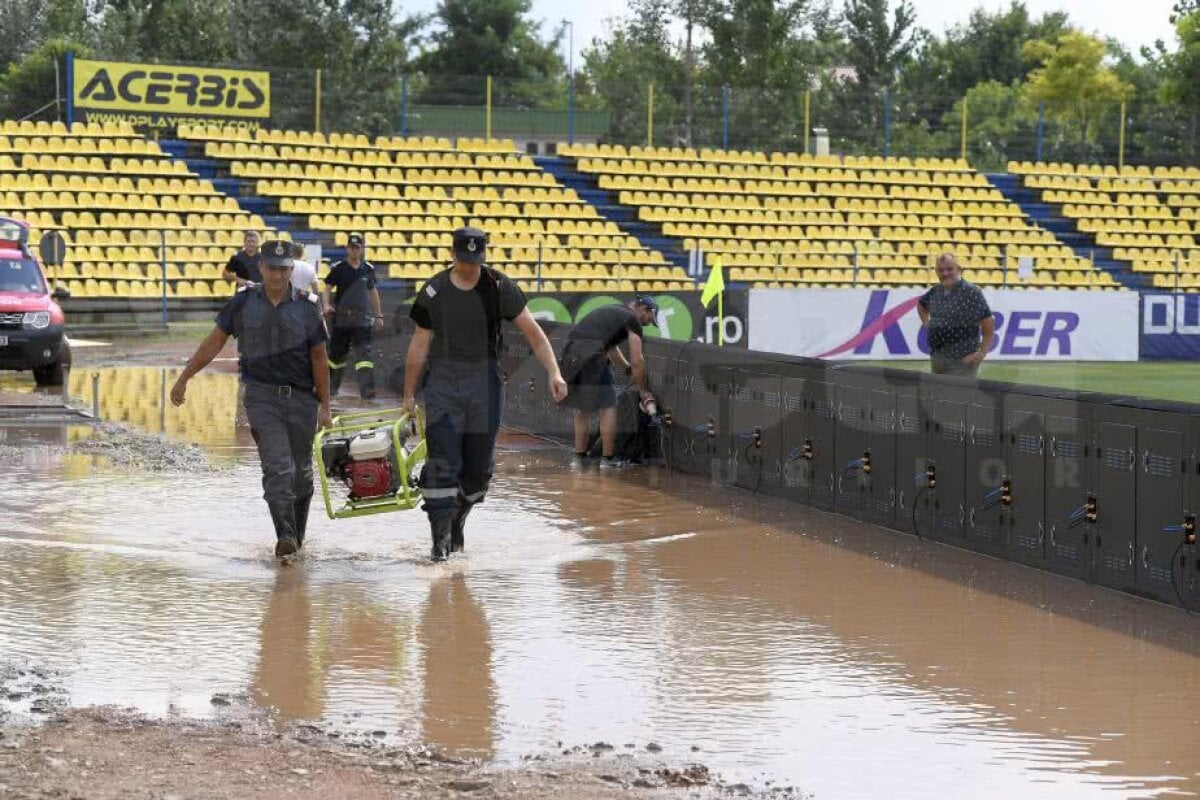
(636, 608)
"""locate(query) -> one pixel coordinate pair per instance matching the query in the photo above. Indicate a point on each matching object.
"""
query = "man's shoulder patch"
(429, 290)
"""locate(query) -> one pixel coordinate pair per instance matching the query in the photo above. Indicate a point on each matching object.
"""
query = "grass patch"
(1160, 380)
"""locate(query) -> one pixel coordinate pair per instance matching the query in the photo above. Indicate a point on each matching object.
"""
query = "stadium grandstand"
(117, 197)
(1148, 217)
(407, 194)
(773, 219)
(795, 219)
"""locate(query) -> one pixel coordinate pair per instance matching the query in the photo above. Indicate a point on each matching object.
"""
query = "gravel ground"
(127, 446)
(109, 754)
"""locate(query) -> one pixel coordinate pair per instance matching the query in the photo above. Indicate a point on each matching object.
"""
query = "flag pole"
(721, 318)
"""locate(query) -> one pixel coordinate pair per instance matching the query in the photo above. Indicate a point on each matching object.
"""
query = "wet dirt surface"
(105, 755)
(675, 620)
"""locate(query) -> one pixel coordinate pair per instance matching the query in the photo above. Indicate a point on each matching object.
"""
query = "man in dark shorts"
(592, 346)
(958, 321)
(245, 266)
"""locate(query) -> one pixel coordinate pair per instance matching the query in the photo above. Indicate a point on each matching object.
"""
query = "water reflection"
(459, 710)
(288, 678)
(139, 396)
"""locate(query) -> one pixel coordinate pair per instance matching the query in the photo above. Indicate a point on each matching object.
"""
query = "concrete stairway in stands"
(587, 187)
(1049, 217)
(217, 171)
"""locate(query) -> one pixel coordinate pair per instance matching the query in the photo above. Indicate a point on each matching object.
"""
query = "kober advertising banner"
(882, 324)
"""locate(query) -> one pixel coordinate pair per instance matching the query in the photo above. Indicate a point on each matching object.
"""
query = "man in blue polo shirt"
(285, 370)
(958, 320)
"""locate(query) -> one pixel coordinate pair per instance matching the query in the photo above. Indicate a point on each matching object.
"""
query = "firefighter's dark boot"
(301, 516)
(460, 522)
(441, 532)
(283, 514)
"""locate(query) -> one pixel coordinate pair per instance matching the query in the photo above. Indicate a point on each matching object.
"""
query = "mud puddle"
(658, 614)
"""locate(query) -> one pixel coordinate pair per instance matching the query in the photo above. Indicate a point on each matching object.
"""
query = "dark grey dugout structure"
(1099, 488)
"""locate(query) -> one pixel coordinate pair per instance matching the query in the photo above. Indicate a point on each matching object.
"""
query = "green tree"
(29, 85)
(362, 48)
(67, 19)
(878, 47)
(27, 24)
(758, 48)
(986, 48)
(1074, 83)
(478, 38)
(196, 31)
(1000, 124)
(635, 55)
(1183, 8)
(693, 12)
(21, 26)
(1181, 84)
(879, 43)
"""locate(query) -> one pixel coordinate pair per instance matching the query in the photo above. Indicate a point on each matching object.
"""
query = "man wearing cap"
(285, 371)
(356, 312)
(592, 346)
(458, 315)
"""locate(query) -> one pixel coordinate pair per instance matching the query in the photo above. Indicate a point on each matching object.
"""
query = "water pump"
(376, 457)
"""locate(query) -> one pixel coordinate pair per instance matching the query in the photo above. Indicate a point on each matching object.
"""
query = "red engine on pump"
(366, 463)
(369, 478)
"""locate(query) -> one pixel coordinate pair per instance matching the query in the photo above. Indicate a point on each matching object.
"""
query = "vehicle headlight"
(36, 319)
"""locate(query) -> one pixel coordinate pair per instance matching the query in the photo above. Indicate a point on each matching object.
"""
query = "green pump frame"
(397, 420)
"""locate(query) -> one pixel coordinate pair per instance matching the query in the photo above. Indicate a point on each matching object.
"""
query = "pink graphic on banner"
(876, 327)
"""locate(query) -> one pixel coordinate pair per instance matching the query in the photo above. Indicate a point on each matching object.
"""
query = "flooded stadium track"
(778, 643)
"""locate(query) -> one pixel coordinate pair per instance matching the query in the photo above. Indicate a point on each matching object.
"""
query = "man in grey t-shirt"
(958, 320)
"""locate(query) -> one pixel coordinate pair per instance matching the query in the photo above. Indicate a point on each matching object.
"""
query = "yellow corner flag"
(715, 287)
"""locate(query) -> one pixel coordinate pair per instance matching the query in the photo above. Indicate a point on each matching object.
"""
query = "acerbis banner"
(1170, 327)
(882, 324)
(158, 95)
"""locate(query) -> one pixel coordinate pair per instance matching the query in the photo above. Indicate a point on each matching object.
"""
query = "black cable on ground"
(916, 502)
(759, 467)
(1175, 557)
(662, 446)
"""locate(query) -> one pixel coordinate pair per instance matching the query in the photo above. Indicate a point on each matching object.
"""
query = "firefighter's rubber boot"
(458, 525)
(301, 516)
(284, 516)
(441, 533)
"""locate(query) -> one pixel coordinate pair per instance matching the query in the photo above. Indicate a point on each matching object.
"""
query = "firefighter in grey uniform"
(285, 372)
(459, 313)
(356, 312)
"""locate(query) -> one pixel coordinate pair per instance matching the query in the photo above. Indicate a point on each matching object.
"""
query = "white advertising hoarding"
(879, 324)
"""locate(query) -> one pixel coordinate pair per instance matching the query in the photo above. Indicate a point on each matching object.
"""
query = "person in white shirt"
(304, 274)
